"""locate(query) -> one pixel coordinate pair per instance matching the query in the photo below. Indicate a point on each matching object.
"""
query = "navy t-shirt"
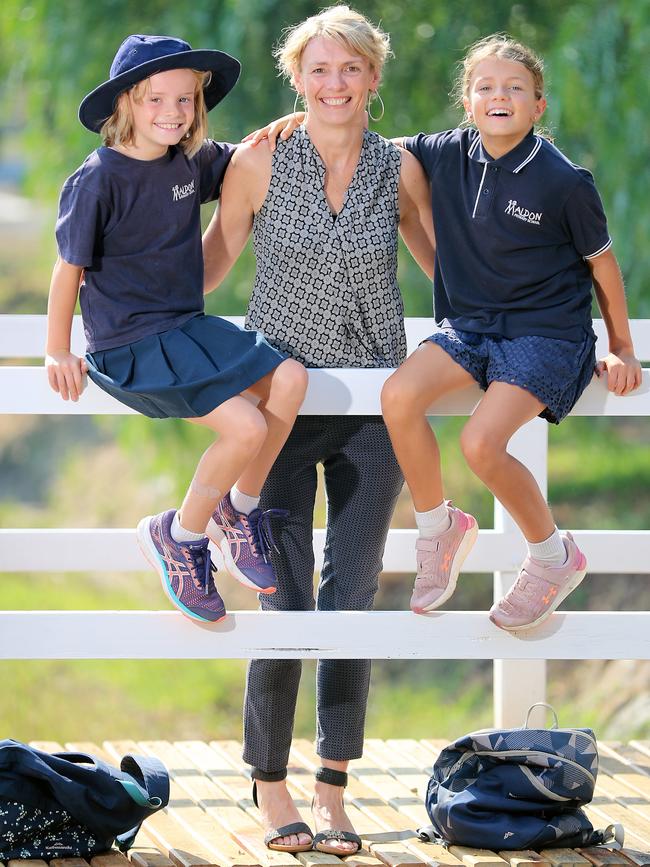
(513, 236)
(135, 228)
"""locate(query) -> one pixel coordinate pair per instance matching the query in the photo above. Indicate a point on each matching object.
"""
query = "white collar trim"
(531, 155)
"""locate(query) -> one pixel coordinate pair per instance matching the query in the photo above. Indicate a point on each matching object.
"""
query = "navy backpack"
(516, 789)
(64, 805)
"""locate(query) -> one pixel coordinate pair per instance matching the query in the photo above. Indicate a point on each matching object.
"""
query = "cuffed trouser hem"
(268, 776)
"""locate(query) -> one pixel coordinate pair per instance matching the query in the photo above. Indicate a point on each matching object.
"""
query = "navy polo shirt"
(513, 236)
(135, 228)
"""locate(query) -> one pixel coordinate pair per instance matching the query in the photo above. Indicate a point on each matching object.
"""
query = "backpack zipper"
(496, 754)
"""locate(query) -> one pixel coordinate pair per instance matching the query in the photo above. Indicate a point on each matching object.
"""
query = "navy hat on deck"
(139, 56)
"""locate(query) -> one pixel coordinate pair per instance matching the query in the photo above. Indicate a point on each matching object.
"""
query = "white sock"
(433, 522)
(243, 502)
(180, 534)
(551, 551)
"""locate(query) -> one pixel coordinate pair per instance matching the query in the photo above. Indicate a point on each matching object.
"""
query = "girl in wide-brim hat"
(129, 239)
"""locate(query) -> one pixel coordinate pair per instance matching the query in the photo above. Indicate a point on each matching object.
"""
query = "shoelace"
(259, 524)
(519, 588)
(204, 568)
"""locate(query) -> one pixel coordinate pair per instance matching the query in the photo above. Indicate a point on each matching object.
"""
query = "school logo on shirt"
(515, 210)
(182, 192)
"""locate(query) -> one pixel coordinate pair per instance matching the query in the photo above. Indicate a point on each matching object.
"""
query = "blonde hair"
(505, 48)
(343, 25)
(119, 127)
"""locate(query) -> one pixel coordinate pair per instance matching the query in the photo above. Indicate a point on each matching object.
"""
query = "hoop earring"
(295, 102)
(381, 103)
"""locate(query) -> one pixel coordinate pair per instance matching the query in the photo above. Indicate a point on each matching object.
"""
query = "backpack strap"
(541, 704)
(148, 787)
(613, 836)
(430, 834)
(152, 786)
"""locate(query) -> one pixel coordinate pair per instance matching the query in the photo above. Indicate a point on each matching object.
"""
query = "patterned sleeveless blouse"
(325, 287)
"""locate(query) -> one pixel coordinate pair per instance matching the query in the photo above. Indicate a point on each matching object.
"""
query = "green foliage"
(599, 72)
(56, 52)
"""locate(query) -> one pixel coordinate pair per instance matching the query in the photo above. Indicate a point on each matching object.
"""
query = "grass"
(599, 473)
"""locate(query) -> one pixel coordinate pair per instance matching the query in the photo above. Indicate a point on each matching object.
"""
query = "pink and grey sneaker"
(439, 561)
(185, 568)
(539, 589)
(245, 542)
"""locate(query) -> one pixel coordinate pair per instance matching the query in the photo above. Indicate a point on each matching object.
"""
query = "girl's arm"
(282, 127)
(622, 367)
(416, 220)
(244, 188)
(65, 371)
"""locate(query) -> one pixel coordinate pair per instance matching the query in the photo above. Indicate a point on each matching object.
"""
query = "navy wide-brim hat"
(139, 56)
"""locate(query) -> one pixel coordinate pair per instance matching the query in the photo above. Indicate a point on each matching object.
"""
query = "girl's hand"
(283, 127)
(66, 373)
(623, 371)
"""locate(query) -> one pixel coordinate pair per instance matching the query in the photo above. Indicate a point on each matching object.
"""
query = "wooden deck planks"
(211, 820)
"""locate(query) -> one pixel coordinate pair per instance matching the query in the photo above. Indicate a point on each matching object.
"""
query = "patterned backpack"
(68, 804)
(516, 789)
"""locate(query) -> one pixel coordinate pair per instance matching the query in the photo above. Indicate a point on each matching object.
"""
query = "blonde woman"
(324, 209)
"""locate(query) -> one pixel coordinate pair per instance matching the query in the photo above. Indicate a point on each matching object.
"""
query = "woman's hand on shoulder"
(281, 128)
(623, 371)
(66, 373)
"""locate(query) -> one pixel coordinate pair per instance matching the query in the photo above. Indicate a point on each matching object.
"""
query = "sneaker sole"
(218, 537)
(463, 550)
(153, 558)
(559, 599)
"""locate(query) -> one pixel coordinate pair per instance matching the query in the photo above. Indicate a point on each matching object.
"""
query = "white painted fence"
(519, 660)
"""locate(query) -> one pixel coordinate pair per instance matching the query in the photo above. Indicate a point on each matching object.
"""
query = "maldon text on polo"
(523, 213)
(182, 192)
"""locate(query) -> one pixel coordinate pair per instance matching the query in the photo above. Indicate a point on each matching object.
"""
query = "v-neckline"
(322, 170)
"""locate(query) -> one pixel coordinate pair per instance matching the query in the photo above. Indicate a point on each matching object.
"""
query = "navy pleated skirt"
(185, 372)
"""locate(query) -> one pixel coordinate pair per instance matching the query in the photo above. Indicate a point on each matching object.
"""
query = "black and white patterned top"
(325, 287)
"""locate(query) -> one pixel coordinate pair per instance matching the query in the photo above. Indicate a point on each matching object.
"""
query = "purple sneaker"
(539, 589)
(185, 568)
(245, 542)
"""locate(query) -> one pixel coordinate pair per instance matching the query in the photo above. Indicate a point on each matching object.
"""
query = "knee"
(291, 381)
(398, 399)
(479, 449)
(251, 431)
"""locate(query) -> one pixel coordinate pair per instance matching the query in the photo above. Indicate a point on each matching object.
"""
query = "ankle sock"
(180, 534)
(433, 522)
(551, 551)
(243, 502)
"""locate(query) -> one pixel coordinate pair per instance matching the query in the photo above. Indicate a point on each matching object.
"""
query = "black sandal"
(285, 831)
(335, 778)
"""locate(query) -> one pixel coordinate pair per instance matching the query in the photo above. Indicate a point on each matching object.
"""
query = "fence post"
(518, 683)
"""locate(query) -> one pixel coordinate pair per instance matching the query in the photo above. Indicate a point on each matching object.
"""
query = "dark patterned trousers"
(362, 482)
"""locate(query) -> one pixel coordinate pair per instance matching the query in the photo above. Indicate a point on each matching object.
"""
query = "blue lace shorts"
(555, 371)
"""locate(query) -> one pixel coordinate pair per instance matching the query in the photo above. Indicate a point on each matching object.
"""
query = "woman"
(324, 209)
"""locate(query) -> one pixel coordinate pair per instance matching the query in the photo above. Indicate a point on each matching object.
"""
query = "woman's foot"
(278, 813)
(329, 815)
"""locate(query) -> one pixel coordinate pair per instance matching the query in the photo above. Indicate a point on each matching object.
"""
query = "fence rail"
(519, 660)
